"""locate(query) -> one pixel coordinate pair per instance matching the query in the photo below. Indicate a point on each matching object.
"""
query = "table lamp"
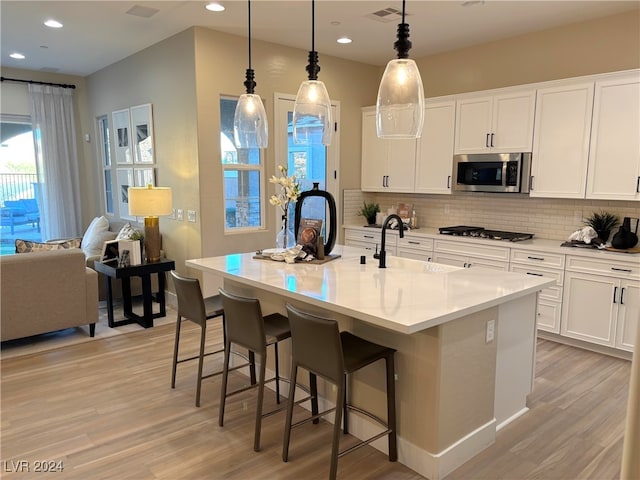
(150, 202)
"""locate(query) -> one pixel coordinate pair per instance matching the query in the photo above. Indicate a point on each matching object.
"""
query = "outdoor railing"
(14, 186)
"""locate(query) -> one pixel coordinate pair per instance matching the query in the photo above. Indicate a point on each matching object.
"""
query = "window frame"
(106, 163)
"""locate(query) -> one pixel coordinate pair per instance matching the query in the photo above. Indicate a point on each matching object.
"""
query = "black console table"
(144, 271)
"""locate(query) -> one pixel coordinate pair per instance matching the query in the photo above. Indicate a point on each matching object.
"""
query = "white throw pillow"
(97, 233)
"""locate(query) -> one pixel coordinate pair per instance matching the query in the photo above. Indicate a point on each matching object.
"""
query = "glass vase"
(285, 238)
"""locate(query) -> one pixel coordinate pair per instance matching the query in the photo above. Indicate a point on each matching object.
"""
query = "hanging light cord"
(250, 83)
(403, 44)
(313, 68)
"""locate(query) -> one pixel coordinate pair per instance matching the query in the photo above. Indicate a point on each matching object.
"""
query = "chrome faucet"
(383, 254)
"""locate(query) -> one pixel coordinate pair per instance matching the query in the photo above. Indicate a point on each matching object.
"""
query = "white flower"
(289, 190)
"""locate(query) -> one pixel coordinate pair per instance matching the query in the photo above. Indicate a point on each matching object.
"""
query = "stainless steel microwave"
(492, 172)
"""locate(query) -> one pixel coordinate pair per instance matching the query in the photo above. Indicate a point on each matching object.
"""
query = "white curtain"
(56, 160)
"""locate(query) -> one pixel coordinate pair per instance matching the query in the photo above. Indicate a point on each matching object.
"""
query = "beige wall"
(604, 45)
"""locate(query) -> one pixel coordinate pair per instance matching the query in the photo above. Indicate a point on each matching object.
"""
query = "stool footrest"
(219, 372)
(363, 443)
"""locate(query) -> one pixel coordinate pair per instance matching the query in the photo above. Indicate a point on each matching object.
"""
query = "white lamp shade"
(400, 104)
(250, 127)
(312, 114)
(150, 201)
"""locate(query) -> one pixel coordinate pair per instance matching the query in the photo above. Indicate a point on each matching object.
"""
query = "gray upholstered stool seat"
(318, 346)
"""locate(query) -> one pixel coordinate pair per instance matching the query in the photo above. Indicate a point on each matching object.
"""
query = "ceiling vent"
(140, 11)
(386, 15)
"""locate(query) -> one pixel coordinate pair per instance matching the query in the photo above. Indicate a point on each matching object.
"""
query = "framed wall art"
(142, 133)
(144, 177)
(122, 133)
(125, 180)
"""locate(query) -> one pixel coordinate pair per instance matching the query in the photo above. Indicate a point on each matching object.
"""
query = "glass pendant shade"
(312, 114)
(250, 127)
(400, 103)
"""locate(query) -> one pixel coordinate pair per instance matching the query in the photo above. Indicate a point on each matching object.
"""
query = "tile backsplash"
(550, 218)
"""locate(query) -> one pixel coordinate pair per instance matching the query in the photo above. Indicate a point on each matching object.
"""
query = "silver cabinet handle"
(486, 142)
(531, 179)
(536, 258)
(615, 290)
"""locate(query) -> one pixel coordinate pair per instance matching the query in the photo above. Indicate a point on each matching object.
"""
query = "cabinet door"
(628, 315)
(512, 126)
(374, 155)
(401, 165)
(434, 157)
(450, 259)
(549, 315)
(589, 312)
(561, 141)
(474, 262)
(473, 124)
(614, 158)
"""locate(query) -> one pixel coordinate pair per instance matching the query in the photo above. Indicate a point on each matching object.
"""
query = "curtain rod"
(63, 85)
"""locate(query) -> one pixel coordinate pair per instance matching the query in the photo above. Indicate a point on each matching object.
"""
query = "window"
(243, 174)
(105, 157)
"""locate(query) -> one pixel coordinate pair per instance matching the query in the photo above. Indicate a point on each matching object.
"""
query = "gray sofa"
(42, 292)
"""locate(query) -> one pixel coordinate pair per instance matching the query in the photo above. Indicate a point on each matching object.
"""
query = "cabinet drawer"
(558, 275)
(531, 257)
(615, 268)
(416, 243)
(415, 254)
(549, 314)
(476, 251)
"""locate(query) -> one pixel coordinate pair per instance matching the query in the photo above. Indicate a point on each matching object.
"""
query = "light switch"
(191, 216)
(491, 331)
(180, 214)
(173, 214)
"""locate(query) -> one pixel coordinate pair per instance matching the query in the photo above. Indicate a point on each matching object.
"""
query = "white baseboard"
(511, 418)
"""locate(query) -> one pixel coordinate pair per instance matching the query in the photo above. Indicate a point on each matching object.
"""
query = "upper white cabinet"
(561, 141)
(499, 123)
(434, 159)
(387, 165)
(614, 158)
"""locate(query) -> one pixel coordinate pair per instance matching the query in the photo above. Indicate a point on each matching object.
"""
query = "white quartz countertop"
(536, 244)
(408, 296)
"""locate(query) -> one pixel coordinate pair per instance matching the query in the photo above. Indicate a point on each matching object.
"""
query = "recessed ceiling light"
(344, 40)
(215, 7)
(53, 24)
(17, 56)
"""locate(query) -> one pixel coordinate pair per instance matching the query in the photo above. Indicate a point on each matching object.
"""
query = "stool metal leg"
(175, 353)
(290, 403)
(391, 407)
(335, 447)
(345, 411)
(225, 378)
(203, 335)
(277, 365)
(263, 368)
(313, 390)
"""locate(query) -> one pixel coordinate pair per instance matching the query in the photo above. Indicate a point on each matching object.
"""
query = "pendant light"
(312, 109)
(250, 127)
(400, 104)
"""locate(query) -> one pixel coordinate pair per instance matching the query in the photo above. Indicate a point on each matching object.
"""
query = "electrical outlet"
(577, 216)
(191, 216)
(180, 214)
(491, 331)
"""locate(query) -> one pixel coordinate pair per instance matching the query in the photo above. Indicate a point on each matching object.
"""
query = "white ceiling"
(99, 33)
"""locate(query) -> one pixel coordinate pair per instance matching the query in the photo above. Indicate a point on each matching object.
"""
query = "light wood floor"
(106, 410)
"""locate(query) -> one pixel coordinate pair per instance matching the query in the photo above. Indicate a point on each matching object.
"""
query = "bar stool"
(192, 306)
(319, 347)
(248, 328)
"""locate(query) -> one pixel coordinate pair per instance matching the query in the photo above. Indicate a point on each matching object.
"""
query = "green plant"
(369, 211)
(137, 235)
(602, 223)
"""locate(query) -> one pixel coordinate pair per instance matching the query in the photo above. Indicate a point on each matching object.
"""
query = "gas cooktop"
(481, 232)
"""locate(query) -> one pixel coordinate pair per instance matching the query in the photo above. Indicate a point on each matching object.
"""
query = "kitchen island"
(465, 341)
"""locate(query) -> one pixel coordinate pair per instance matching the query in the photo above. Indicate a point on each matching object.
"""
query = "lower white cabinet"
(467, 255)
(602, 309)
(415, 247)
(370, 239)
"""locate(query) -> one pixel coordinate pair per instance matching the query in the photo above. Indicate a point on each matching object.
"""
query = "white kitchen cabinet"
(434, 157)
(415, 247)
(387, 165)
(466, 255)
(601, 302)
(614, 155)
(561, 141)
(499, 123)
(370, 238)
(542, 264)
